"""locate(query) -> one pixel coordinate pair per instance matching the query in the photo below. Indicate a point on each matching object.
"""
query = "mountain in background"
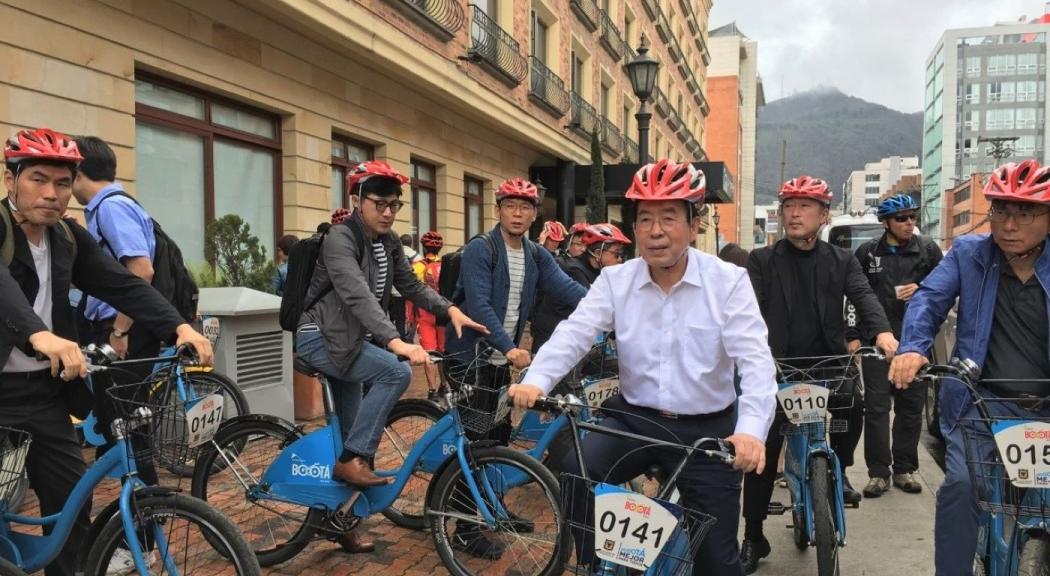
(829, 135)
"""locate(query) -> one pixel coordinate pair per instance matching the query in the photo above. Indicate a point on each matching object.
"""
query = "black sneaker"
(751, 551)
(470, 540)
(850, 496)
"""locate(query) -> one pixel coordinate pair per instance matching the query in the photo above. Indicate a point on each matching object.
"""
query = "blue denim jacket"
(970, 271)
(486, 285)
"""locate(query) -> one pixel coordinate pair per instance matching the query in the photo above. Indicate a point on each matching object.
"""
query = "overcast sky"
(872, 49)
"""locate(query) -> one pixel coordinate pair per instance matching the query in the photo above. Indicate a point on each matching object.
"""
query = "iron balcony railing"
(545, 86)
(663, 106)
(610, 136)
(583, 117)
(630, 151)
(494, 47)
(587, 10)
(442, 17)
(610, 36)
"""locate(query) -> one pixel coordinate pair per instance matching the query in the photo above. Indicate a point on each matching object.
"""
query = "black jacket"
(886, 268)
(94, 272)
(549, 310)
(838, 277)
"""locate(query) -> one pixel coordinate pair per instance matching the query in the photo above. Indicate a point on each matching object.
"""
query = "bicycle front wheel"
(9, 569)
(820, 484)
(180, 535)
(529, 537)
(408, 422)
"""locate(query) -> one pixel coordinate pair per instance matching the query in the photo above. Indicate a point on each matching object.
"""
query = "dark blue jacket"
(486, 285)
(970, 271)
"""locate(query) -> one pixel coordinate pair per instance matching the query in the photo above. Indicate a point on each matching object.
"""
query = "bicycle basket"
(14, 447)
(479, 387)
(629, 531)
(167, 419)
(811, 389)
(1020, 486)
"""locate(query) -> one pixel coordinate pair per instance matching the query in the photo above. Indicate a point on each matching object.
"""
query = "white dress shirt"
(676, 351)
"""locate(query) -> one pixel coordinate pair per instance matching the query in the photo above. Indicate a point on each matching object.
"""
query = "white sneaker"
(122, 563)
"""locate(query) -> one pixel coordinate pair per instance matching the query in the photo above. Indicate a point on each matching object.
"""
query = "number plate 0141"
(629, 528)
(1024, 448)
(803, 403)
(203, 418)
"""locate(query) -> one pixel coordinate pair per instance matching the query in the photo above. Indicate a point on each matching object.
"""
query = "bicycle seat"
(302, 367)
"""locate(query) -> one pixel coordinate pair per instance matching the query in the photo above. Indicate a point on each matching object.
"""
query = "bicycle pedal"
(776, 509)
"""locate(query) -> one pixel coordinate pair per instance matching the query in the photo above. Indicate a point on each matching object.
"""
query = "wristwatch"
(119, 334)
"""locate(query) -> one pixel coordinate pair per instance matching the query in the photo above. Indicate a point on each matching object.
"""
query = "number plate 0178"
(1024, 448)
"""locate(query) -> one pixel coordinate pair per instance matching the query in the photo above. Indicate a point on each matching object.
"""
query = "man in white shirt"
(683, 320)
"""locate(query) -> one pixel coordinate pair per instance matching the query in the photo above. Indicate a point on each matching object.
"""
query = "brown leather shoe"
(357, 472)
(354, 543)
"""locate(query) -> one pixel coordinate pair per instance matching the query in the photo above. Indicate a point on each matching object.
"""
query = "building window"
(872, 177)
(972, 120)
(346, 154)
(973, 66)
(605, 103)
(1027, 63)
(961, 195)
(973, 93)
(473, 201)
(424, 200)
(1002, 119)
(199, 157)
(539, 32)
(1001, 91)
(576, 72)
(1025, 145)
(1026, 91)
(1026, 118)
(626, 120)
(961, 219)
(1002, 64)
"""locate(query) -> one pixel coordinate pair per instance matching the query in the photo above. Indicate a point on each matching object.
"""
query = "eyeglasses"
(382, 205)
(1022, 218)
(616, 254)
(905, 217)
(645, 223)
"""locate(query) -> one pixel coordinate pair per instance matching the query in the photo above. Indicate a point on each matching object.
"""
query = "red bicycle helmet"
(553, 230)
(602, 233)
(518, 188)
(806, 187)
(41, 144)
(372, 168)
(578, 228)
(432, 239)
(1020, 182)
(339, 215)
(667, 180)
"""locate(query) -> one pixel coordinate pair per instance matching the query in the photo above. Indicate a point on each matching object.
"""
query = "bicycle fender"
(289, 426)
(454, 461)
(112, 509)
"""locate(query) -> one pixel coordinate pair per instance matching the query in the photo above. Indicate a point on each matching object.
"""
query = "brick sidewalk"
(398, 551)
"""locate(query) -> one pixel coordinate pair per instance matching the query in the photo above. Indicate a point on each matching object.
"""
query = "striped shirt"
(516, 272)
(381, 271)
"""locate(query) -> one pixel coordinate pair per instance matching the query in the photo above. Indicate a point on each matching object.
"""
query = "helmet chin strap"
(1025, 255)
(677, 260)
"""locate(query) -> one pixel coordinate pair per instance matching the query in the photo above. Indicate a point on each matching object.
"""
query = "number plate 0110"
(1024, 448)
(803, 403)
(629, 528)
(203, 418)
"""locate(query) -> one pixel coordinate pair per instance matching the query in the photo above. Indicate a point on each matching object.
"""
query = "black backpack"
(449, 286)
(170, 276)
(301, 264)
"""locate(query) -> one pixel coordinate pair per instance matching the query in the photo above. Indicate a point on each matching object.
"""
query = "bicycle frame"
(32, 552)
(801, 449)
(302, 473)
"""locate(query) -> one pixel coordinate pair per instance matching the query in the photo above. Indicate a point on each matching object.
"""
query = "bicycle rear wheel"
(275, 531)
(184, 536)
(408, 422)
(530, 534)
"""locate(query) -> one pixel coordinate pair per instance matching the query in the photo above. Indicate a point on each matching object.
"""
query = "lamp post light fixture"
(642, 71)
(715, 218)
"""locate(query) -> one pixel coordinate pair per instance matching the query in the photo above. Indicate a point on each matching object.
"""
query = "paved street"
(886, 537)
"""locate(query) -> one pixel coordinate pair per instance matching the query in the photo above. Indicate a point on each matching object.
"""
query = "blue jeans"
(385, 376)
(956, 524)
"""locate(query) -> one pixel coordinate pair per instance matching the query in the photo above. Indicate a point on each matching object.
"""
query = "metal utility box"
(252, 349)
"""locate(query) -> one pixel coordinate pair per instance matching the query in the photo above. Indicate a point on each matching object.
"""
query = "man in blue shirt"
(123, 230)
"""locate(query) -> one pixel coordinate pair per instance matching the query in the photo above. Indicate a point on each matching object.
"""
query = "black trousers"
(33, 402)
(879, 396)
(706, 485)
(758, 488)
(141, 344)
(399, 319)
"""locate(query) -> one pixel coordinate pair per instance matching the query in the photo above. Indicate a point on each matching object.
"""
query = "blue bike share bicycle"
(1007, 447)
(276, 483)
(157, 530)
(810, 391)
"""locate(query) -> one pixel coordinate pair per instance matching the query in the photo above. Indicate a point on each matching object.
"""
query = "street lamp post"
(642, 71)
(716, 219)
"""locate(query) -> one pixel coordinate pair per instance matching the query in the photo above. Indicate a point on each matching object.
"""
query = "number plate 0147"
(803, 403)
(629, 528)
(1024, 448)
(203, 418)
